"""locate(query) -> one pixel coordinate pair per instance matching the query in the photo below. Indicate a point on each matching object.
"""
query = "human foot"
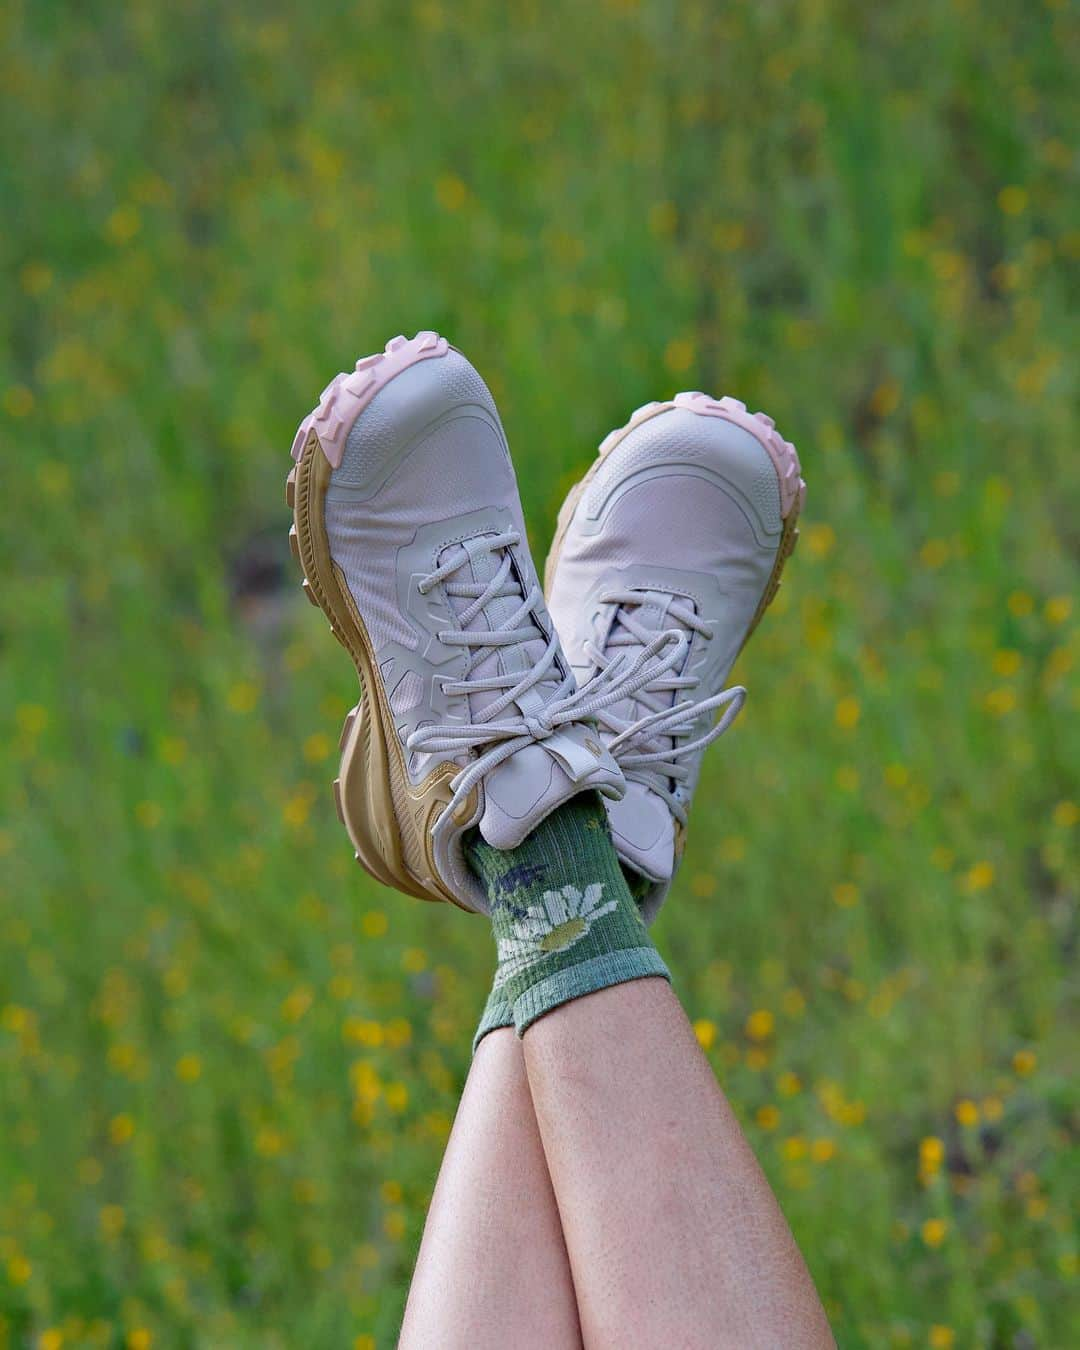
(409, 531)
(684, 521)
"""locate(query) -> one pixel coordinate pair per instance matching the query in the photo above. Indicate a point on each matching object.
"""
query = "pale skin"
(597, 1190)
(492, 1270)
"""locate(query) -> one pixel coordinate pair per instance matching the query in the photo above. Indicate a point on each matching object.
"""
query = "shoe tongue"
(654, 614)
(643, 830)
(480, 564)
(522, 790)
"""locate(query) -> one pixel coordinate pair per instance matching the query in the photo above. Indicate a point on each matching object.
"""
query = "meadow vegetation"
(228, 1060)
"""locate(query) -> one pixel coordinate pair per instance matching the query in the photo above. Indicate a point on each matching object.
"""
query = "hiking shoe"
(409, 532)
(683, 524)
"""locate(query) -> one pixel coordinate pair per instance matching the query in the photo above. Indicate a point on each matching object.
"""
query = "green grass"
(228, 1060)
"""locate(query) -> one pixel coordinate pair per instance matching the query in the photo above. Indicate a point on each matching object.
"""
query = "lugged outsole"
(378, 844)
(349, 393)
(784, 456)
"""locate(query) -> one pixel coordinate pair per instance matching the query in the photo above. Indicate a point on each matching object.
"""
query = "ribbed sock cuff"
(498, 1013)
(599, 972)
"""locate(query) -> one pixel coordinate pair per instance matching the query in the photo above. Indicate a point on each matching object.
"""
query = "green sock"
(564, 920)
(498, 1011)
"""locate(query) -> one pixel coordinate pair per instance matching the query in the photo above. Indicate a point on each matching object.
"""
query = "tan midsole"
(388, 819)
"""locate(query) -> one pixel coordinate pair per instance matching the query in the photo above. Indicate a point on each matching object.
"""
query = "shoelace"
(638, 746)
(505, 734)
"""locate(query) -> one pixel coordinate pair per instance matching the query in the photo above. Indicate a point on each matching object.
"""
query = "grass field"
(228, 1060)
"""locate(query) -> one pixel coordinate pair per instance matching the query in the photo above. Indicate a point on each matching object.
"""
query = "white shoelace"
(502, 726)
(639, 746)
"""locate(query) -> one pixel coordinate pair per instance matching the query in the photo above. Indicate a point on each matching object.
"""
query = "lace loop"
(539, 727)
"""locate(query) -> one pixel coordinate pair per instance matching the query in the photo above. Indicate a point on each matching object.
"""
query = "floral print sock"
(564, 920)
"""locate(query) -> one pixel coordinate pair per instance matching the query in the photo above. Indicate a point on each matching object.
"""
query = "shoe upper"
(678, 527)
(424, 522)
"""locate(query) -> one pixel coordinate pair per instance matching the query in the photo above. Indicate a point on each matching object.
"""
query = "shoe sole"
(387, 818)
(785, 461)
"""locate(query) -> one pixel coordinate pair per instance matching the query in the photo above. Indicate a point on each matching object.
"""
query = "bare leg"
(674, 1236)
(492, 1270)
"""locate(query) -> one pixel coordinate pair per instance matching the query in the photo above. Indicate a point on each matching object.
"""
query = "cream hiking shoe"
(409, 531)
(682, 525)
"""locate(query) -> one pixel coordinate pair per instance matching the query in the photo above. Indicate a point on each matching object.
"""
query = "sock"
(497, 1013)
(564, 920)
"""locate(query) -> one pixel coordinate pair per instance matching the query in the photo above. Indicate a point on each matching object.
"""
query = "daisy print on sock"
(556, 922)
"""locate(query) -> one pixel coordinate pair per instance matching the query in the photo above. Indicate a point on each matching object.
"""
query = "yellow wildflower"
(705, 1031)
(760, 1024)
(934, 1231)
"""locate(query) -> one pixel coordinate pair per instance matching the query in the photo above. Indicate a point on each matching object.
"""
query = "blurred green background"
(228, 1060)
